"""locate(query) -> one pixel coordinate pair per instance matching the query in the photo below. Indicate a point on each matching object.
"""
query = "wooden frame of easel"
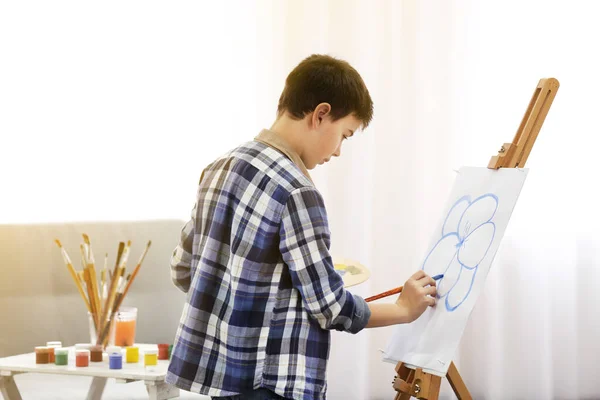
(422, 385)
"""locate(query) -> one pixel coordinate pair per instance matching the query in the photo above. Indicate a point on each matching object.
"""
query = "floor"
(59, 387)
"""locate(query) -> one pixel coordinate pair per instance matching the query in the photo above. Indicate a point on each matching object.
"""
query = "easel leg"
(459, 387)
(161, 390)
(9, 389)
(434, 387)
(405, 374)
(96, 388)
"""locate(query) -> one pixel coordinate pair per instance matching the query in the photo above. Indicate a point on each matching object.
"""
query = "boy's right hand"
(418, 293)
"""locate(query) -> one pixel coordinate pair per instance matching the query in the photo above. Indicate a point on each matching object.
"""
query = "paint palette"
(351, 271)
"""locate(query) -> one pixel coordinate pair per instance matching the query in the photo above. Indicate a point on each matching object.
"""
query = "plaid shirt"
(262, 293)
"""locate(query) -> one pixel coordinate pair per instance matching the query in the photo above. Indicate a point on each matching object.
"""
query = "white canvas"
(462, 248)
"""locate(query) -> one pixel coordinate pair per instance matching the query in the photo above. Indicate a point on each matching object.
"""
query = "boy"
(262, 293)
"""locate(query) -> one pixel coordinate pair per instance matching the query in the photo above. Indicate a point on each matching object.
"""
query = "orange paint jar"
(82, 358)
(125, 321)
(42, 354)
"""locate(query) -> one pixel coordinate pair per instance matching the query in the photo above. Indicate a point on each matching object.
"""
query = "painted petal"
(454, 215)
(450, 278)
(480, 211)
(440, 255)
(475, 246)
(462, 289)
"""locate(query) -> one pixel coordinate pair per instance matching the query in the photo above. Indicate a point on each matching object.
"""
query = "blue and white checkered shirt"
(262, 293)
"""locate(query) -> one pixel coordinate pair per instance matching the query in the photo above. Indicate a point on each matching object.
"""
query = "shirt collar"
(272, 139)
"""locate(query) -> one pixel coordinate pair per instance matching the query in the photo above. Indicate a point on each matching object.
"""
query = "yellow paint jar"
(150, 357)
(132, 354)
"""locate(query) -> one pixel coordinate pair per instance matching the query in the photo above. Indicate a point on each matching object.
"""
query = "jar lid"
(151, 351)
(83, 346)
(96, 348)
(42, 349)
(61, 351)
(80, 352)
(115, 355)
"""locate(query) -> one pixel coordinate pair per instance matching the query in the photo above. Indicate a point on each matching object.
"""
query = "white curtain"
(110, 111)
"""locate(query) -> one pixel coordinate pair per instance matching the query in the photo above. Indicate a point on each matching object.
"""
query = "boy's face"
(327, 137)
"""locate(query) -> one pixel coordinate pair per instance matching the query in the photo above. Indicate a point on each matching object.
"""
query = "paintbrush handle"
(396, 290)
(79, 287)
(133, 275)
(384, 294)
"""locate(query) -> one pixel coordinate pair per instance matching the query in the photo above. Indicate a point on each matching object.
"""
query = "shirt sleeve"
(304, 245)
(181, 259)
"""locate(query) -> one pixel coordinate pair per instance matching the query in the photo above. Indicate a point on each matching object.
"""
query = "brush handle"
(384, 294)
(78, 285)
(395, 291)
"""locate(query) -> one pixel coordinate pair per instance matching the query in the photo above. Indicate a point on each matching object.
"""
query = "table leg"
(96, 389)
(9, 389)
(161, 390)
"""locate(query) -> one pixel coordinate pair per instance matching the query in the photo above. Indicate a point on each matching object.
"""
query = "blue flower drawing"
(467, 235)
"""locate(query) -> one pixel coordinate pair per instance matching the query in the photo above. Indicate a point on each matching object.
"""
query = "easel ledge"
(410, 382)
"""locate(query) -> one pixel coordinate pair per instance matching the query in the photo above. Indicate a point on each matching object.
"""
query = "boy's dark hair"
(325, 79)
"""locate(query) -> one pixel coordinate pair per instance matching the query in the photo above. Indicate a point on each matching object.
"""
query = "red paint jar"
(82, 358)
(163, 351)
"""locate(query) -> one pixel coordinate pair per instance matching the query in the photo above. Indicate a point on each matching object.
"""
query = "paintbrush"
(118, 273)
(137, 268)
(110, 298)
(92, 272)
(88, 283)
(120, 294)
(73, 273)
(395, 291)
(104, 277)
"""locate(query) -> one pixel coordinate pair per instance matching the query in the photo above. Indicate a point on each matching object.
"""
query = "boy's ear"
(321, 111)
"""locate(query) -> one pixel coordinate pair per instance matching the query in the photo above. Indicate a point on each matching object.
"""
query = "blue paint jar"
(115, 361)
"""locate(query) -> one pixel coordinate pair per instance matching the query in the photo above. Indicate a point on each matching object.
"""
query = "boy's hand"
(418, 293)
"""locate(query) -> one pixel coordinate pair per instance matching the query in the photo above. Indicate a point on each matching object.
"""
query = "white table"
(153, 377)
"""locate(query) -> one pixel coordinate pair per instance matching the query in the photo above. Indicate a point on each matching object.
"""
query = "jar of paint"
(163, 351)
(78, 346)
(150, 357)
(170, 351)
(125, 321)
(115, 361)
(82, 358)
(61, 356)
(132, 354)
(42, 355)
(96, 353)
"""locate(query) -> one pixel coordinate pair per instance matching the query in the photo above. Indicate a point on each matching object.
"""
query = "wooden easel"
(422, 385)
